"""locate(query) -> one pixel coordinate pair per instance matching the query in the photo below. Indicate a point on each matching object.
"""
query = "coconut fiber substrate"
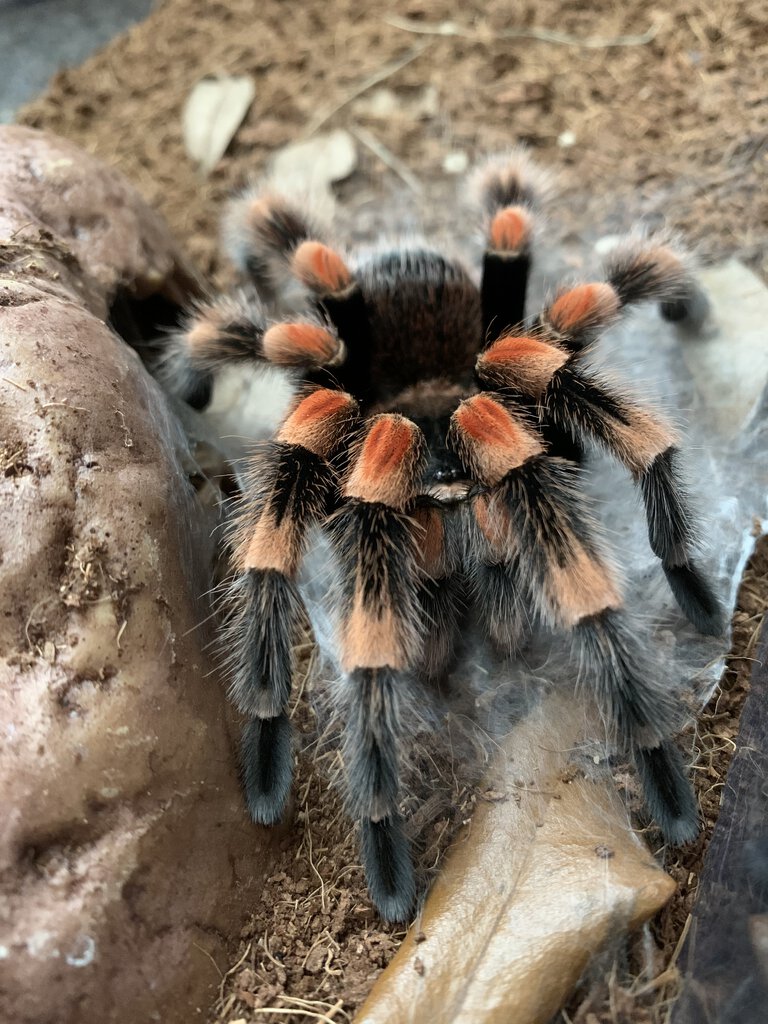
(644, 111)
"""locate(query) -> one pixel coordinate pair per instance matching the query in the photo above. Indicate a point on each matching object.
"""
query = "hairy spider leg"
(234, 330)
(340, 298)
(588, 408)
(289, 488)
(271, 241)
(261, 230)
(508, 189)
(541, 516)
(636, 270)
(380, 634)
(493, 571)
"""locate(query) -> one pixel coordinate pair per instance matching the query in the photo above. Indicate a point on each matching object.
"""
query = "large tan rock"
(126, 857)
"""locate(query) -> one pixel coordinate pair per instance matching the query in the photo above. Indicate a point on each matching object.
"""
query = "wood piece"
(725, 957)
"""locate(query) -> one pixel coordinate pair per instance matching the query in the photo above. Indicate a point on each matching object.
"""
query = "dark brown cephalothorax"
(434, 442)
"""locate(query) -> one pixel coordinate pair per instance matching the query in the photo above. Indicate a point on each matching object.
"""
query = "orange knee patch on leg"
(261, 210)
(582, 587)
(202, 337)
(667, 261)
(583, 307)
(302, 344)
(372, 638)
(321, 268)
(490, 440)
(269, 547)
(510, 230)
(389, 462)
(640, 441)
(320, 421)
(657, 263)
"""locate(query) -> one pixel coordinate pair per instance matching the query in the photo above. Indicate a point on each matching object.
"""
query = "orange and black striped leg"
(587, 409)
(261, 230)
(288, 489)
(508, 188)
(233, 331)
(338, 293)
(506, 266)
(228, 329)
(646, 444)
(568, 583)
(635, 272)
(648, 269)
(380, 632)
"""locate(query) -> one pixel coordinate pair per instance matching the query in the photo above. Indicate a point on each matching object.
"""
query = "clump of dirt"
(84, 574)
(14, 460)
(659, 112)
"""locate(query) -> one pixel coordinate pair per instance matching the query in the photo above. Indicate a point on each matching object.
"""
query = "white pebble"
(456, 162)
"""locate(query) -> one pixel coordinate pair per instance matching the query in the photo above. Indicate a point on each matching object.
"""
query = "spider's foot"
(696, 598)
(199, 391)
(689, 312)
(267, 760)
(668, 792)
(388, 868)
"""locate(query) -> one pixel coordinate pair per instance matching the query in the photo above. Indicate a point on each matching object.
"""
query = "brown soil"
(671, 122)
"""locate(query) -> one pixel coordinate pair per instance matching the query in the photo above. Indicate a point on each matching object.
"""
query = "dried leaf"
(214, 111)
(315, 164)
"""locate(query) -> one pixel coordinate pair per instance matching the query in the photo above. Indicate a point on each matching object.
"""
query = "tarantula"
(435, 443)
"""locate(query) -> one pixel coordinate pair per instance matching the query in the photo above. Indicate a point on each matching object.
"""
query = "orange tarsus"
(319, 421)
(260, 209)
(202, 333)
(491, 440)
(385, 469)
(320, 405)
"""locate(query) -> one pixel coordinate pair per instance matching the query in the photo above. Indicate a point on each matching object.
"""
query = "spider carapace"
(435, 444)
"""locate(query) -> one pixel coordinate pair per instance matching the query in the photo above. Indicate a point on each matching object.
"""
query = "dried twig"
(302, 1007)
(297, 1009)
(388, 158)
(232, 970)
(543, 35)
(379, 76)
(206, 953)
